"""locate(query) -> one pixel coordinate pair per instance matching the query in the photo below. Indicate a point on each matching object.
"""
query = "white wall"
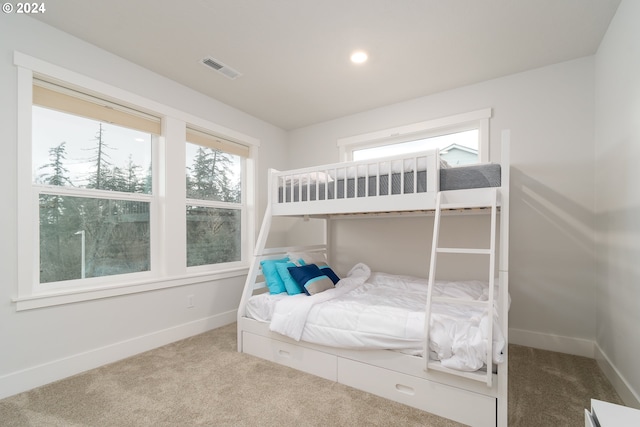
(617, 171)
(41, 345)
(550, 113)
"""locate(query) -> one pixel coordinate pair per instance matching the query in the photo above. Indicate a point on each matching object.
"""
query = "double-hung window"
(102, 203)
(92, 171)
(215, 198)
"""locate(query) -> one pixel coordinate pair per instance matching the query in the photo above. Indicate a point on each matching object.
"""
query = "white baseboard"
(568, 345)
(626, 393)
(36, 376)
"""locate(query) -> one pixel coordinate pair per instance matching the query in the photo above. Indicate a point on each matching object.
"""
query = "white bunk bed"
(411, 183)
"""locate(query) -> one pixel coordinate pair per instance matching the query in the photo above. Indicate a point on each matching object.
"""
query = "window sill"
(69, 296)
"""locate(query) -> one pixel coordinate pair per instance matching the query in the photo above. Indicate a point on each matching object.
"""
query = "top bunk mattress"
(471, 176)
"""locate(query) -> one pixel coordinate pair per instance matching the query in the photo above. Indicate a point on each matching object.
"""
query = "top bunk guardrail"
(399, 183)
(358, 186)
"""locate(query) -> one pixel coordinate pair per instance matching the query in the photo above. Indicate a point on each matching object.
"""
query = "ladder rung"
(472, 302)
(464, 251)
(463, 205)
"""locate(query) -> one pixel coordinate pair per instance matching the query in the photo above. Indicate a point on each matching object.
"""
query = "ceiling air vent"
(221, 68)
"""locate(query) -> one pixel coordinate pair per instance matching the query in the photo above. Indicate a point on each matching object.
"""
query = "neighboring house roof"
(458, 147)
(458, 155)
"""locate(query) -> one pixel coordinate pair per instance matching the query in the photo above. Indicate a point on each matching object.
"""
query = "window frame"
(166, 270)
(478, 119)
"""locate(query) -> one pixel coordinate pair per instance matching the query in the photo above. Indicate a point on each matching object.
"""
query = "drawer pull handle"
(405, 389)
(284, 353)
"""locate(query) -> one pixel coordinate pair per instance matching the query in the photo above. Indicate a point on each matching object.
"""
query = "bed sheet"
(387, 312)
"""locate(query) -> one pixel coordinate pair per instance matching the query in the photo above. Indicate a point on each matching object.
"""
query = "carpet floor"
(204, 381)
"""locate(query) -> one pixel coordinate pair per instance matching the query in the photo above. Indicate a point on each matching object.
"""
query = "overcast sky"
(50, 128)
(466, 139)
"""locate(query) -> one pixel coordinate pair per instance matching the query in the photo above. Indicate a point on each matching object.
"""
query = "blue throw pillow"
(271, 276)
(311, 279)
(292, 287)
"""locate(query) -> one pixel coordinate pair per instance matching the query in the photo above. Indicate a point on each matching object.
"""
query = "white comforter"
(382, 311)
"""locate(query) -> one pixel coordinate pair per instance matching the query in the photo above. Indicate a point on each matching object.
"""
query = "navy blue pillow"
(327, 271)
(311, 278)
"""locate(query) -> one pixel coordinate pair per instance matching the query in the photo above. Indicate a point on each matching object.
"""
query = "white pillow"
(307, 257)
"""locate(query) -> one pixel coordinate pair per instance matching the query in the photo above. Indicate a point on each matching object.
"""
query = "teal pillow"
(271, 276)
(292, 287)
(311, 279)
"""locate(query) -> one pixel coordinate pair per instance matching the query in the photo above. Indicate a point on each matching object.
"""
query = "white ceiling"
(294, 54)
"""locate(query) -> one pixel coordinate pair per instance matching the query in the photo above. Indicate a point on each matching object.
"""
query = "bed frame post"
(503, 267)
(254, 269)
(327, 238)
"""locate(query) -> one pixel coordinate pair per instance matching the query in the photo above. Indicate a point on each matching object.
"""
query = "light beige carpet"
(203, 381)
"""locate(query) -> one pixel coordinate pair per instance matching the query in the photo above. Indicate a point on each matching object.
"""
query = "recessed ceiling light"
(359, 56)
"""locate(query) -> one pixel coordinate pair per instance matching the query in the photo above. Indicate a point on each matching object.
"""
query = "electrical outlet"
(190, 301)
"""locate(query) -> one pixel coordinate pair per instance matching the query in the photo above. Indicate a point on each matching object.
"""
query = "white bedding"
(383, 311)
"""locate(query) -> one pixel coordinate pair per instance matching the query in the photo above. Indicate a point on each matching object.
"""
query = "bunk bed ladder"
(490, 201)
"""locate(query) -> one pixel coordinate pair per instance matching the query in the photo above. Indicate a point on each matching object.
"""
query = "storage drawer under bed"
(315, 362)
(470, 408)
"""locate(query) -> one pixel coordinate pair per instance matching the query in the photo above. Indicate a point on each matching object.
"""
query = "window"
(102, 201)
(458, 148)
(94, 182)
(214, 170)
(461, 139)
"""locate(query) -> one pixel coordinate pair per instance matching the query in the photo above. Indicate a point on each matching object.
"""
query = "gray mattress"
(472, 176)
(456, 178)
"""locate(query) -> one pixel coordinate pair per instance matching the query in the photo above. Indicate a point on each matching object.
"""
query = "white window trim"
(460, 122)
(167, 268)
